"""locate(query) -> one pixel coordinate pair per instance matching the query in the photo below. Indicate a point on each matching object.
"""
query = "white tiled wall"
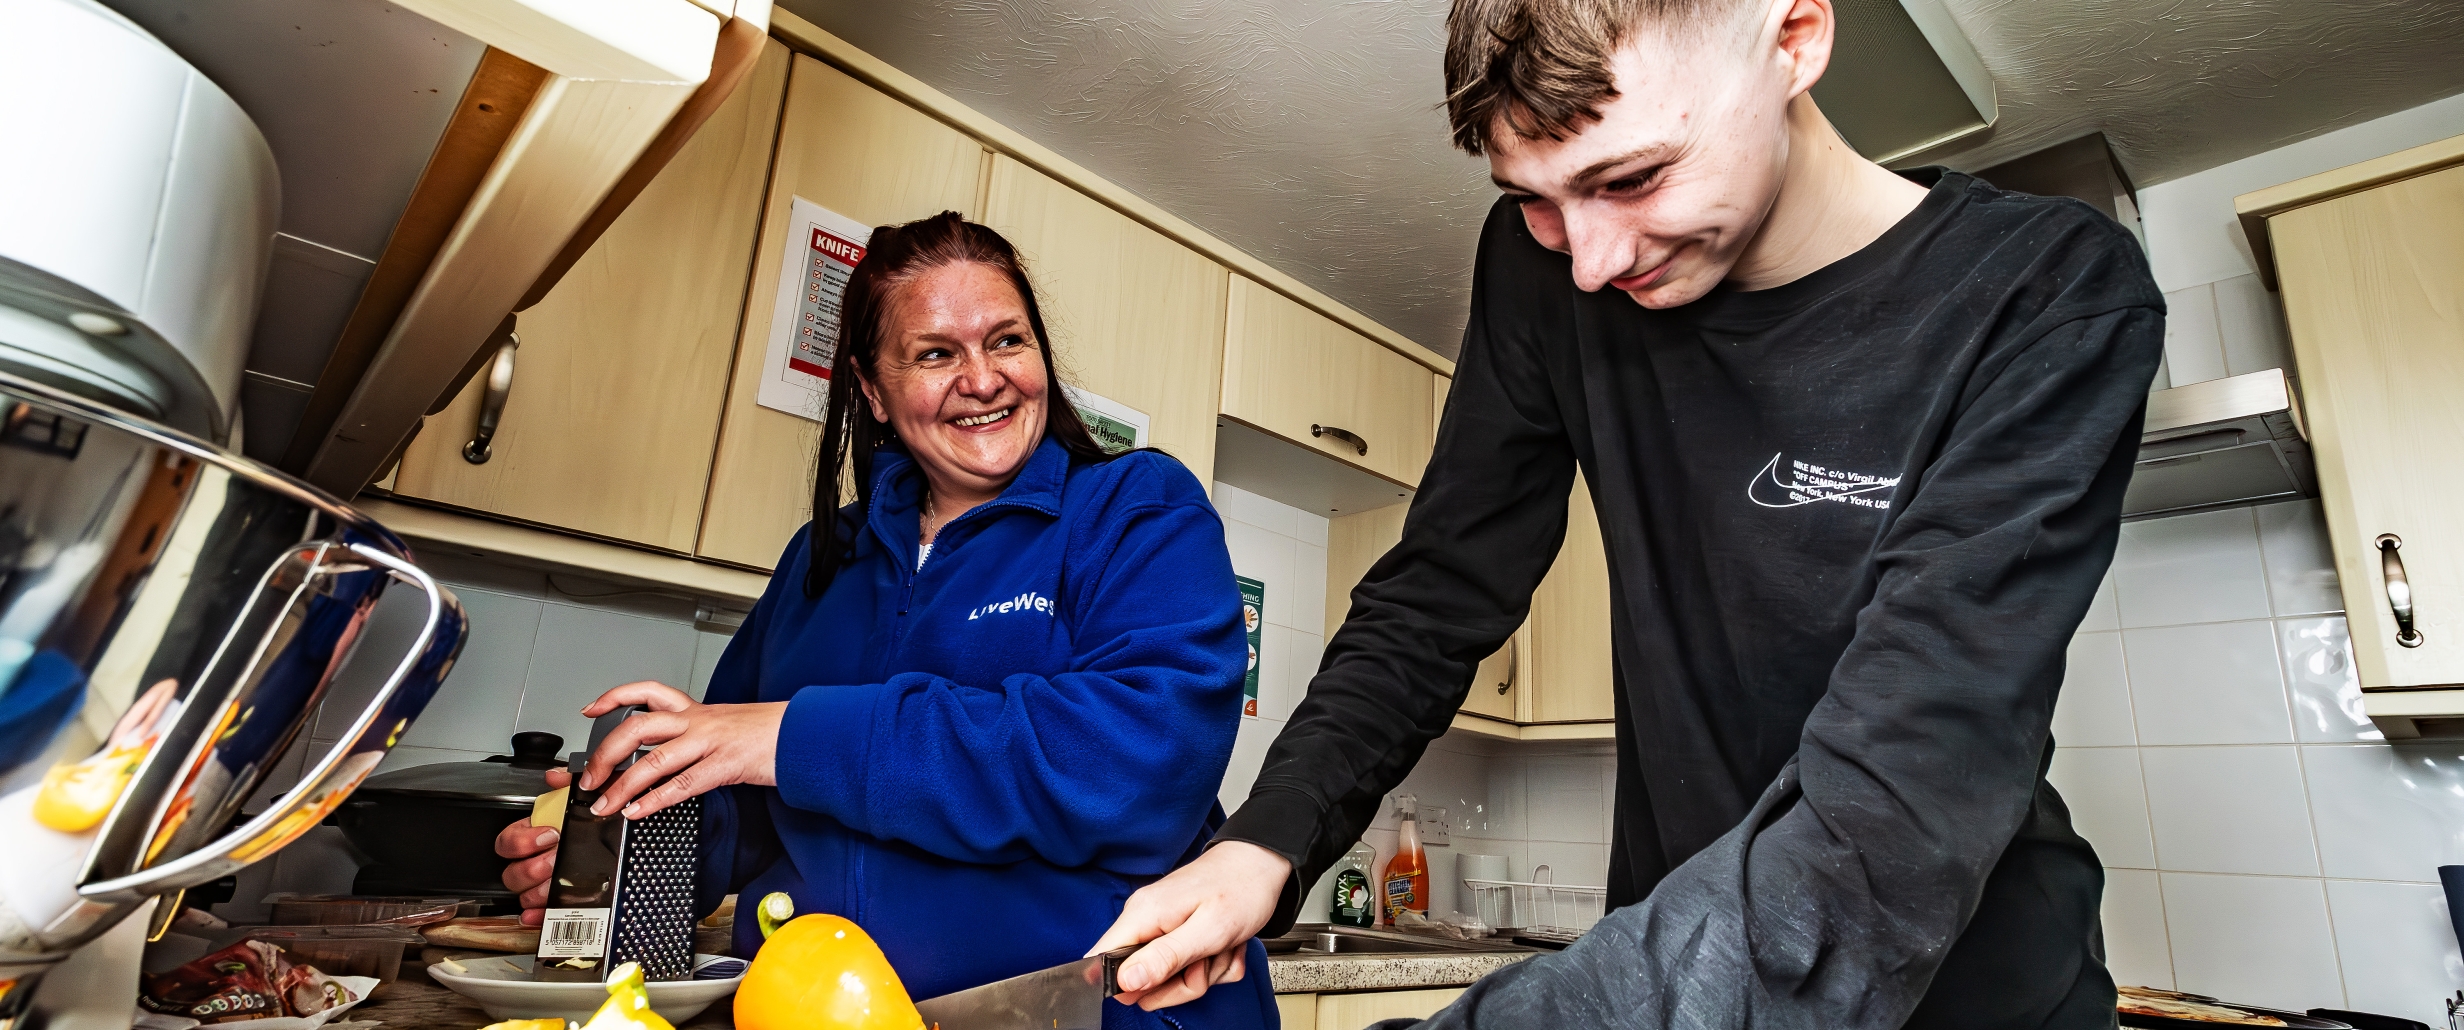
(2224, 328)
(539, 650)
(2262, 842)
(1285, 548)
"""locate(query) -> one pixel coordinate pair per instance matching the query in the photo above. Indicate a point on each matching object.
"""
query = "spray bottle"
(1407, 875)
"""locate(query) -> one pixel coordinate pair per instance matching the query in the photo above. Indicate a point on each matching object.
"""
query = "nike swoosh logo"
(1767, 482)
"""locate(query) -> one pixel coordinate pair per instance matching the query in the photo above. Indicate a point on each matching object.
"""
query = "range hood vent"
(2223, 443)
(1904, 80)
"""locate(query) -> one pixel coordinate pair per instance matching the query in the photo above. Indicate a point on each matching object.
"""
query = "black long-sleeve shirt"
(1851, 522)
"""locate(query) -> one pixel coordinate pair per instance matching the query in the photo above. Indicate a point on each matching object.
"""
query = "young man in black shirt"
(1857, 442)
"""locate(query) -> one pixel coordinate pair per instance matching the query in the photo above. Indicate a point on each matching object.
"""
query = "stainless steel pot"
(170, 617)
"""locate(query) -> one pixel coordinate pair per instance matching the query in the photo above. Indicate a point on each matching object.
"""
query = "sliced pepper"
(628, 1003)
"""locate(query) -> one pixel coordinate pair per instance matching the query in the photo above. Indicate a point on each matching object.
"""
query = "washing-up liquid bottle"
(1407, 874)
(1355, 900)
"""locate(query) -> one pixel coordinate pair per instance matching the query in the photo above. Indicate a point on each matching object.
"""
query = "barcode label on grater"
(574, 933)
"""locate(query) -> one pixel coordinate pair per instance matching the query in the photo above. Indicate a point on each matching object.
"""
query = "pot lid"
(514, 779)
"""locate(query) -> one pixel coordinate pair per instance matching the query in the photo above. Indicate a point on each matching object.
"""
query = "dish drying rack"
(1541, 908)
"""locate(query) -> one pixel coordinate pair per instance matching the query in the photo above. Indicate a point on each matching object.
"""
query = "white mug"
(1494, 905)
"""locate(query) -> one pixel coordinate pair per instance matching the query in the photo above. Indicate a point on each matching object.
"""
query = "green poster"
(1115, 434)
(1253, 618)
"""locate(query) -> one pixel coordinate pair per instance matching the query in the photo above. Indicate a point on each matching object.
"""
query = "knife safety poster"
(1253, 619)
(823, 247)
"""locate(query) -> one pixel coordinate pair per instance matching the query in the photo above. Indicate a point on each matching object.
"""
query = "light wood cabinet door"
(1352, 1011)
(2374, 293)
(1498, 687)
(622, 368)
(858, 152)
(1135, 317)
(1287, 368)
(1355, 542)
(1299, 1011)
(1572, 665)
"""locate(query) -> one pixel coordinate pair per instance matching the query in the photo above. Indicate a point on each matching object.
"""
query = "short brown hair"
(1541, 66)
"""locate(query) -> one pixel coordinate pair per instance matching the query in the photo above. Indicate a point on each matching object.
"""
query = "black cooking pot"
(431, 831)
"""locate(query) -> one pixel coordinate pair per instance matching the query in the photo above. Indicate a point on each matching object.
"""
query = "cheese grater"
(623, 888)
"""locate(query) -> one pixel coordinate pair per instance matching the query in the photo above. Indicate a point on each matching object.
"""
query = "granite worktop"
(1309, 973)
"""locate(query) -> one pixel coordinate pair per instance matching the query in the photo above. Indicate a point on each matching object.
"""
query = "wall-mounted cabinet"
(1554, 678)
(2369, 259)
(623, 366)
(1136, 317)
(857, 152)
(1287, 369)
(635, 416)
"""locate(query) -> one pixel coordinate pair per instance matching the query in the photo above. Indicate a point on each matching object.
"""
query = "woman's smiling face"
(960, 376)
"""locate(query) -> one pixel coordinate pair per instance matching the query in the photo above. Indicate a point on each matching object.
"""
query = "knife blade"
(1069, 996)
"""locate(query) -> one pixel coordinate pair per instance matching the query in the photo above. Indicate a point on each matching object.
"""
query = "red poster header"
(837, 248)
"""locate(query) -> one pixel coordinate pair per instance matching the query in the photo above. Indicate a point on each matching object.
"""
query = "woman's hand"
(700, 748)
(530, 854)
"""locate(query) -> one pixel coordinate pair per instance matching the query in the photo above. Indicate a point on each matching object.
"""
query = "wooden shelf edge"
(489, 539)
(819, 42)
(2257, 206)
(1481, 725)
(2400, 714)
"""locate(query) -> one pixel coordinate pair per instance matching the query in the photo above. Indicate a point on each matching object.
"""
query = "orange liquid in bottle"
(1406, 880)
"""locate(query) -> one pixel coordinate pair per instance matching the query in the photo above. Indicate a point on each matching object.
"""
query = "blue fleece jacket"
(983, 757)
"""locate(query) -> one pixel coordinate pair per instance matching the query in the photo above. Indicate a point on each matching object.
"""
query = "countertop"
(416, 1003)
(1311, 973)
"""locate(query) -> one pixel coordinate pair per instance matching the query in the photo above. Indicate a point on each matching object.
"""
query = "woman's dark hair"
(895, 257)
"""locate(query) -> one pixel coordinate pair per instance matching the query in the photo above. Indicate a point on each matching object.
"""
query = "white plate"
(502, 985)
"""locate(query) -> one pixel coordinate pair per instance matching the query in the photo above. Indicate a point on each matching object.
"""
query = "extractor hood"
(2220, 444)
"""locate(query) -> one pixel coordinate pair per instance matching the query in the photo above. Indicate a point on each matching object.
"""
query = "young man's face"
(1661, 194)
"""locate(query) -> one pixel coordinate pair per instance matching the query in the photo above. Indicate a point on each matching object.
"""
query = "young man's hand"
(1196, 924)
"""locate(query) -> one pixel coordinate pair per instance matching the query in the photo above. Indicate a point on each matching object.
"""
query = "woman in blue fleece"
(991, 700)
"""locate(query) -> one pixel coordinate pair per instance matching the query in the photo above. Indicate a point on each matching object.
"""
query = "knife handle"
(1112, 968)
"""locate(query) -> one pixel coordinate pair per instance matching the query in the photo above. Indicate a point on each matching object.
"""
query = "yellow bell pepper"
(628, 1003)
(76, 796)
(550, 1023)
(821, 972)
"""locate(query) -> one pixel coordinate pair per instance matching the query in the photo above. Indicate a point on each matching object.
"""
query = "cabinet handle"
(1514, 658)
(2399, 589)
(492, 406)
(1344, 435)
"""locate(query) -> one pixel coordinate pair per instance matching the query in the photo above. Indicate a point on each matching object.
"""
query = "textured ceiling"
(1306, 131)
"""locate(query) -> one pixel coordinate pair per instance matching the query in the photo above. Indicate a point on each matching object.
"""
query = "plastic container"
(334, 950)
(1353, 902)
(288, 909)
(1407, 874)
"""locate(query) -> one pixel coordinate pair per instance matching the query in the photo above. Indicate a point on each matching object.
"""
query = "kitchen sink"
(1319, 939)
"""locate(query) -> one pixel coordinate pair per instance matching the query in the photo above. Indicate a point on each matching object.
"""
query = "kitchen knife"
(1069, 996)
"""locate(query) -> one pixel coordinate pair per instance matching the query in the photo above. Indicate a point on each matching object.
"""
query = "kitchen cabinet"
(623, 366)
(1502, 681)
(2369, 259)
(1362, 1009)
(1287, 368)
(1572, 668)
(1299, 1011)
(1135, 317)
(860, 153)
(1557, 668)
